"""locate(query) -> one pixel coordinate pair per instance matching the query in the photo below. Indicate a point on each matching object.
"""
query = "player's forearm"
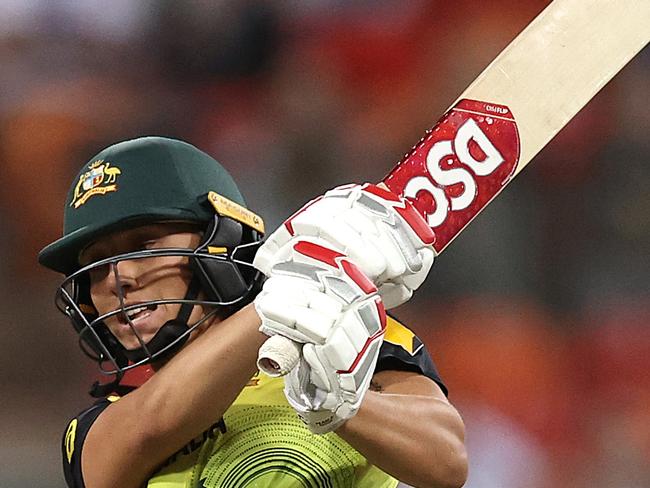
(420, 441)
(198, 385)
(184, 398)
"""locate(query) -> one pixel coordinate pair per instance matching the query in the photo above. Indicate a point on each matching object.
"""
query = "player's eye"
(98, 273)
(148, 244)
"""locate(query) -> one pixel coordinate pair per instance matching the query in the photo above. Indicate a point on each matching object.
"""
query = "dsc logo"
(440, 177)
(462, 163)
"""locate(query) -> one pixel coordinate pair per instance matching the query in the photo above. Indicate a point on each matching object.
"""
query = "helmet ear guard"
(232, 279)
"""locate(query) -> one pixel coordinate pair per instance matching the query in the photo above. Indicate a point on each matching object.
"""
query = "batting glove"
(380, 232)
(314, 295)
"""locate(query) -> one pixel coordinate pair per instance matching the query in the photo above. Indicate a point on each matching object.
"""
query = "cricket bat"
(533, 88)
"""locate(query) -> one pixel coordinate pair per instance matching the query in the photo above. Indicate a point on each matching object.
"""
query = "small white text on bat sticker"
(495, 109)
(439, 177)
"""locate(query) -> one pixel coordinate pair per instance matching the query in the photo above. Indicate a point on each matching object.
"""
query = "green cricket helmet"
(152, 180)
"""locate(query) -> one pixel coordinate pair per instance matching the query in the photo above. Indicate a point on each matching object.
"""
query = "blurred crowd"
(537, 316)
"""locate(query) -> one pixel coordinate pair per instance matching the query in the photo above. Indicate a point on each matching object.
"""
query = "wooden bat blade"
(516, 106)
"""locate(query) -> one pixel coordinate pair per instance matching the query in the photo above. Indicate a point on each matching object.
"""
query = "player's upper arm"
(116, 450)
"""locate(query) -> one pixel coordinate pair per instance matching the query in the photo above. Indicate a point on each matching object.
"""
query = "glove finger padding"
(297, 308)
(308, 291)
(331, 380)
(380, 232)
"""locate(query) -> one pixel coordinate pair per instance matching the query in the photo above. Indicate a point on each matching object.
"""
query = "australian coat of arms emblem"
(100, 179)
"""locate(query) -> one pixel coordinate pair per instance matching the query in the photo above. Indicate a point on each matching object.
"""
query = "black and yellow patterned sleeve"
(402, 350)
(73, 440)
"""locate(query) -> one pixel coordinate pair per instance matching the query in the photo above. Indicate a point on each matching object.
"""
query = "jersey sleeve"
(73, 440)
(402, 350)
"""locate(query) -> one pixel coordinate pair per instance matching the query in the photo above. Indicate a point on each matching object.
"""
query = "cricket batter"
(164, 265)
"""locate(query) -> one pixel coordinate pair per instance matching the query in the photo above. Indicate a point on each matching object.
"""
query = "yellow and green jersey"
(261, 443)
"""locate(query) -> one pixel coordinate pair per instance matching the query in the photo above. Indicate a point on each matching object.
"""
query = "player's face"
(141, 280)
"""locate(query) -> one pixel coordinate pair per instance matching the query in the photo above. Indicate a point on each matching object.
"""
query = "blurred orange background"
(537, 316)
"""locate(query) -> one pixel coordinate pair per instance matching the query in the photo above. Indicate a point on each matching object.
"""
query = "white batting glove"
(380, 232)
(317, 297)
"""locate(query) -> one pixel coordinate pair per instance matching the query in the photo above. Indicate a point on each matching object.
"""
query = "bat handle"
(278, 355)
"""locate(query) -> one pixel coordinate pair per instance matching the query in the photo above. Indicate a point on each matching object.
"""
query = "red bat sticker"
(459, 166)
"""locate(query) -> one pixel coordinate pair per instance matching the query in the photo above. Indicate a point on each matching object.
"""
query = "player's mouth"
(137, 315)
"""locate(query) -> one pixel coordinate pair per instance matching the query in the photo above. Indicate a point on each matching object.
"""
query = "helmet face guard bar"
(211, 273)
